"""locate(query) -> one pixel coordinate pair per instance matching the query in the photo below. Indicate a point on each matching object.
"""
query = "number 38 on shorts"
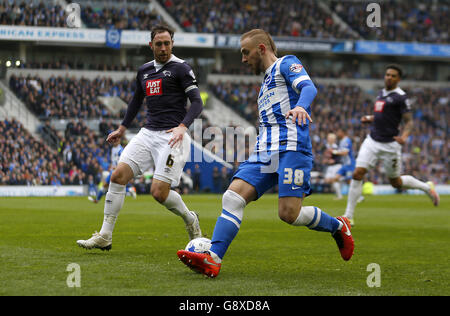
(293, 176)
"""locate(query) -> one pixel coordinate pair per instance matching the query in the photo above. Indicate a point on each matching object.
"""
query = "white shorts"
(332, 170)
(390, 154)
(151, 149)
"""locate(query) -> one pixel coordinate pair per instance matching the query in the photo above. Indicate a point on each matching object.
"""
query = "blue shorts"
(346, 171)
(293, 174)
(108, 178)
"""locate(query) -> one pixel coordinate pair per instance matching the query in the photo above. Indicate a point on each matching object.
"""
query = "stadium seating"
(303, 18)
(94, 14)
(64, 97)
(81, 156)
(407, 21)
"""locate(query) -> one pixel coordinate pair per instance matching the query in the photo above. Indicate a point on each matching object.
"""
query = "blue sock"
(326, 222)
(99, 195)
(224, 233)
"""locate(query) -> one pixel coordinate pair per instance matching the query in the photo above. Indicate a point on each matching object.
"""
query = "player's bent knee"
(159, 193)
(359, 173)
(288, 214)
(122, 174)
(119, 178)
(289, 208)
(396, 183)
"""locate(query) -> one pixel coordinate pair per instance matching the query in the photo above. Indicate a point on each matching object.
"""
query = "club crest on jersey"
(379, 106)
(153, 87)
(297, 68)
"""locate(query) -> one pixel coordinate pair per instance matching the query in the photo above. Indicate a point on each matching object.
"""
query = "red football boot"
(344, 239)
(200, 262)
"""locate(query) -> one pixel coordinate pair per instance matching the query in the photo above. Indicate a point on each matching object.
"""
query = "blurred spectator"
(196, 178)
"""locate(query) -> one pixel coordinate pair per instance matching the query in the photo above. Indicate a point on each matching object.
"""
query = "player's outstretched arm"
(193, 112)
(367, 119)
(300, 114)
(408, 120)
(307, 94)
(177, 135)
(115, 136)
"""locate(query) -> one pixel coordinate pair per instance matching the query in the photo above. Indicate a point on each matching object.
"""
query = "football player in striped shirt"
(282, 156)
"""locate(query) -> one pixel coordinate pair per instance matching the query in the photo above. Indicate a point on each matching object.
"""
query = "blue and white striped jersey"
(115, 155)
(346, 143)
(280, 92)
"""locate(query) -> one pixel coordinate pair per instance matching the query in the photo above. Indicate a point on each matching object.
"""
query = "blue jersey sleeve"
(296, 77)
(346, 144)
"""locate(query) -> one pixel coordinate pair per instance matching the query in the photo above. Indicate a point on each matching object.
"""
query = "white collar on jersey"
(268, 70)
(174, 58)
(398, 90)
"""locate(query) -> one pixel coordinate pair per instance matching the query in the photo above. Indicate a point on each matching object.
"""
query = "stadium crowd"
(80, 159)
(47, 13)
(408, 21)
(303, 18)
(66, 97)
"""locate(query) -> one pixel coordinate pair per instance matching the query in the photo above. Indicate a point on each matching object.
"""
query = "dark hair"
(395, 67)
(160, 28)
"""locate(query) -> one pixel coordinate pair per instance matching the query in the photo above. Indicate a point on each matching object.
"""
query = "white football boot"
(434, 196)
(193, 229)
(96, 241)
(133, 192)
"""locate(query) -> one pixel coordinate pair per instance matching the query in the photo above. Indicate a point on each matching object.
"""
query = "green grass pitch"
(405, 235)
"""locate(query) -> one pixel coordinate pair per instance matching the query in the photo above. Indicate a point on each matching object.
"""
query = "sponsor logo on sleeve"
(297, 68)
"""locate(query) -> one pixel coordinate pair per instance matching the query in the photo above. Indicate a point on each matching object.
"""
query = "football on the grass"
(198, 245)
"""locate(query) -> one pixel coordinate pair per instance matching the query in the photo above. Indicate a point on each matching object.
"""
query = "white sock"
(337, 189)
(305, 217)
(114, 199)
(354, 193)
(409, 182)
(175, 204)
(310, 217)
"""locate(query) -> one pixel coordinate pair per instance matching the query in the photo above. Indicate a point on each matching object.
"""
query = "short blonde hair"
(261, 36)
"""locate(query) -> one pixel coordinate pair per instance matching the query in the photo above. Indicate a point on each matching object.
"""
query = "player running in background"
(164, 84)
(116, 150)
(282, 155)
(347, 159)
(384, 143)
(333, 162)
